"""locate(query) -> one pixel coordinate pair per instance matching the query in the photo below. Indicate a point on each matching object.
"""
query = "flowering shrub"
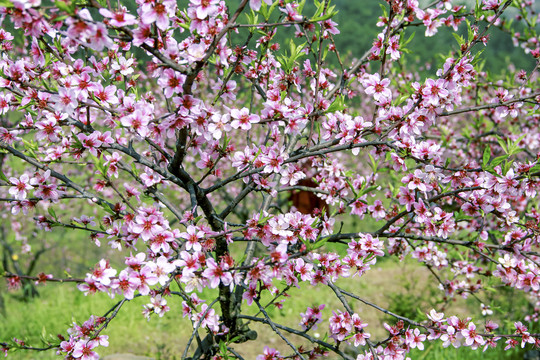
(193, 125)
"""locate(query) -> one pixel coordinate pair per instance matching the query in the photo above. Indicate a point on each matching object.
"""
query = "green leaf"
(534, 169)
(507, 166)
(107, 208)
(330, 12)
(337, 105)
(263, 220)
(100, 165)
(264, 10)
(320, 243)
(498, 160)
(320, 8)
(282, 59)
(252, 18)
(383, 8)
(235, 338)
(64, 6)
(409, 39)
(295, 52)
(51, 212)
(401, 99)
(367, 190)
(460, 40)
(134, 169)
(223, 347)
(272, 8)
(3, 177)
(461, 217)
(325, 53)
(6, 4)
(513, 147)
(466, 132)
(185, 26)
(301, 6)
(31, 147)
(486, 156)
(470, 32)
(477, 61)
(503, 145)
(478, 12)
(374, 165)
(324, 17)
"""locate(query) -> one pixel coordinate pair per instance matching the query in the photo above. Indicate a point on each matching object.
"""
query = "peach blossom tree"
(179, 129)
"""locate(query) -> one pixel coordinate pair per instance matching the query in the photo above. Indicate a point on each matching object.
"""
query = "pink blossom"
(378, 88)
(126, 284)
(147, 278)
(123, 66)
(414, 339)
(171, 81)
(158, 12)
(435, 316)
(48, 129)
(377, 210)
(304, 269)
(216, 273)
(192, 236)
(472, 338)
(393, 48)
(291, 12)
(205, 8)
(103, 272)
(206, 318)
(242, 119)
(90, 142)
(20, 186)
(435, 91)
(219, 124)
(84, 350)
(146, 226)
(137, 122)
(256, 5)
(120, 18)
(5, 103)
(188, 263)
(273, 161)
(66, 100)
(491, 4)
(161, 269)
(106, 94)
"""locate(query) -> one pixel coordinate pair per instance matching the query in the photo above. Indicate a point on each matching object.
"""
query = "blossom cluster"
(82, 340)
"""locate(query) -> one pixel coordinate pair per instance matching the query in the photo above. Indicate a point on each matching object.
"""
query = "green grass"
(58, 306)
(388, 284)
(165, 338)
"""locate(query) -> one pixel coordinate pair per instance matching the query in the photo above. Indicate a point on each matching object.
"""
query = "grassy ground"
(165, 338)
(404, 288)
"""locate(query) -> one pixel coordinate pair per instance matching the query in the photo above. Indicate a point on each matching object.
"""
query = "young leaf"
(3, 177)
(486, 156)
(337, 105)
(51, 212)
(498, 160)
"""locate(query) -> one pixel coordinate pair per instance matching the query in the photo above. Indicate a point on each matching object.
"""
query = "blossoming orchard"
(180, 129)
